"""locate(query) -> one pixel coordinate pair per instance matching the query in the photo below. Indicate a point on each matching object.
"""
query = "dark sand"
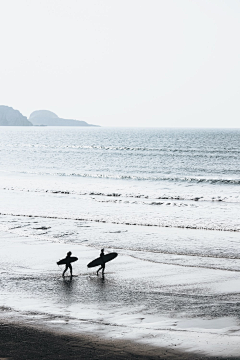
(19, 342)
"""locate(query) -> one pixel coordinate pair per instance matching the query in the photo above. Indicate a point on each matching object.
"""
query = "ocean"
(167, 200)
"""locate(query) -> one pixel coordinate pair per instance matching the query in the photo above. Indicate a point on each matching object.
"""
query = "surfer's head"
(69, 253)
(102, 251)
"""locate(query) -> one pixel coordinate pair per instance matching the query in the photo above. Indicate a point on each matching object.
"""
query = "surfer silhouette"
(68, 264)
(102, 267)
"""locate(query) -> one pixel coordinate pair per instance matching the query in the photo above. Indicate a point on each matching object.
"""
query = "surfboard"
(100, 260)
(67, 260)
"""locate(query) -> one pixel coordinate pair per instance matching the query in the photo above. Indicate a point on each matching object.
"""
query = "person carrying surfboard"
(68, 264)
(102, 260)
(102, 267)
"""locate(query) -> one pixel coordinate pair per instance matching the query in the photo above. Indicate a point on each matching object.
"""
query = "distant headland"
(45, 117)
(11, 117)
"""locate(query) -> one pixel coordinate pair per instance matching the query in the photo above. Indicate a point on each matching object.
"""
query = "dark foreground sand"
(19, 342)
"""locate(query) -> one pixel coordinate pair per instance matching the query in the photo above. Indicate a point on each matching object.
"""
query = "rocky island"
(11, 117)
(45, 117)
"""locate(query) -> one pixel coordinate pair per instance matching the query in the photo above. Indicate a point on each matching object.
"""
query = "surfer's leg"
(99, 269)
(103, 268)
(66, 267)
(70, 267)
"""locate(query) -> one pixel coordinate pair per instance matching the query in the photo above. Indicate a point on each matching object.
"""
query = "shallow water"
(157, 302)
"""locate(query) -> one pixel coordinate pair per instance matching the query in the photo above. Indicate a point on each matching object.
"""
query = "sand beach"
(19, 342)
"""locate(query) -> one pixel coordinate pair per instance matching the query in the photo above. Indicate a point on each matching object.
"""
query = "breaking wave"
(191, 151)
(159, 199)
(159, 224)
(187, 179)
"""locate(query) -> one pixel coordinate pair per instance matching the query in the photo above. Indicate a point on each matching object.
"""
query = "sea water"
(167, 200)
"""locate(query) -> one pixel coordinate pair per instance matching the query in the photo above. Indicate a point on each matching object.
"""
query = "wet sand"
(20, 342)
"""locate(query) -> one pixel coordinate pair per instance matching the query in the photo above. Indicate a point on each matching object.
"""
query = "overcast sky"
(123, 62)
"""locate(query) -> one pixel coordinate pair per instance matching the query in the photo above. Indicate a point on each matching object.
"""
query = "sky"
(147, 63)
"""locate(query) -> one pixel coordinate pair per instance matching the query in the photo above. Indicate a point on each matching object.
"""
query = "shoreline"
(49, 307)
(19, 341)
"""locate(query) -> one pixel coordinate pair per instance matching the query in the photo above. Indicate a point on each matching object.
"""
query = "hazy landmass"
(45, 117)
(11, 117)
